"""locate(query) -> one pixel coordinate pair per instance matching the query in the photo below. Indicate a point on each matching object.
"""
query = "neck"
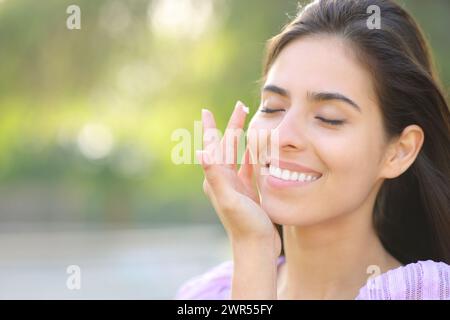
(330, 260)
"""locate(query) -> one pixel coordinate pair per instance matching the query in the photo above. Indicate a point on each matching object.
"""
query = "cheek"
(257, 123)
(351, 157)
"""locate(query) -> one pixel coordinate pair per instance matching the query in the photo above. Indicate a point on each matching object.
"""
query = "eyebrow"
(275, 89)
(315, 96)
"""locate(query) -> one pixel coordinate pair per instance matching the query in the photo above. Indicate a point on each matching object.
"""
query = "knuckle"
(228, 205)
(213, 178)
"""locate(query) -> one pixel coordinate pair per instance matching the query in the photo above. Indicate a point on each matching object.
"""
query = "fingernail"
(244, 108)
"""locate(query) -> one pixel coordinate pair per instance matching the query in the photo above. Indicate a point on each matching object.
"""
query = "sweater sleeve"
(214, 284)
(424, 280)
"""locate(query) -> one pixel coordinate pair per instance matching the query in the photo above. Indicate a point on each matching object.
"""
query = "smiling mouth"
(291, 175)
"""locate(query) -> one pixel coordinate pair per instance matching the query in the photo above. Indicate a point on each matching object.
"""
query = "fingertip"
(243, 107)
(204, 113)
(208, 116)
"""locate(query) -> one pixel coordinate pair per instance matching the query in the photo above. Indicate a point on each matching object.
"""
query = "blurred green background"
(86, 116)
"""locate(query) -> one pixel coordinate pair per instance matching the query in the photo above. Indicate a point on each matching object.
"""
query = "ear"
(402, 152)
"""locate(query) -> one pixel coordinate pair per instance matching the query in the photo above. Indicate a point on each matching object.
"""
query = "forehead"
(321, 63)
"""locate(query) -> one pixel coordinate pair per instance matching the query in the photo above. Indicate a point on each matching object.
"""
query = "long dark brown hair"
(412, 212)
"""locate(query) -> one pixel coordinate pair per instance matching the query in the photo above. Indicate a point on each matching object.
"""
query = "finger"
(245, 174)
(211, 137)
(252, 144)
(233, 133)
(213, 175)
(245, 171)
(237, 119)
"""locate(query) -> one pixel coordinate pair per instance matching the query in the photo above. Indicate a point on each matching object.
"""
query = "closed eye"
(331, 121)
(267, 110)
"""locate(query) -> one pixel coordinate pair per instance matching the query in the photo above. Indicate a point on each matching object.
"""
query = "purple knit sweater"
(423, 280)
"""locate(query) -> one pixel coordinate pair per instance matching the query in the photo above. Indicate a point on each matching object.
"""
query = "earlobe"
(403, 151)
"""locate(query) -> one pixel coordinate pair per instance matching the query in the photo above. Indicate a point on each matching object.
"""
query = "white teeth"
(277, 173)
(294, 176)
(290, 175)
(285, 175)
(272, 170)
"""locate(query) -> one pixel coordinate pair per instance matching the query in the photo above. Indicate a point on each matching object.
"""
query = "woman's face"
(330, 134)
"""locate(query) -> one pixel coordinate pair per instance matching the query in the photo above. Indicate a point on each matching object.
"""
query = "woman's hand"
(255, 240)
(232, 192)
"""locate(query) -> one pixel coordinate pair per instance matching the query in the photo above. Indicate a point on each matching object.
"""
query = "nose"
(290, 132)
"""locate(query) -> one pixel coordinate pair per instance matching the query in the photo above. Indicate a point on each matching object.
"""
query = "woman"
(359, 181)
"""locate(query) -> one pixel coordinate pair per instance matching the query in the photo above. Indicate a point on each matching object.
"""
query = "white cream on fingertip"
(244, 108)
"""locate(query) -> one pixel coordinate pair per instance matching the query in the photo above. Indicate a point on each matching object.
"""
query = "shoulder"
(214, 284)
(422, 280)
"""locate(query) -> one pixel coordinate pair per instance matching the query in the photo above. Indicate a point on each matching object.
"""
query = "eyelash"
(327, 121)
(331, 122)
(267, 110)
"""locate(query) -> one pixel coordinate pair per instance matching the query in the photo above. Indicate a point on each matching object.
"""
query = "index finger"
(233, 132)
(211, 137)
(237, 119)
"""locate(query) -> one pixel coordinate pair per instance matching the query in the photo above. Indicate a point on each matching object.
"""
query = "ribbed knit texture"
(423, 280)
